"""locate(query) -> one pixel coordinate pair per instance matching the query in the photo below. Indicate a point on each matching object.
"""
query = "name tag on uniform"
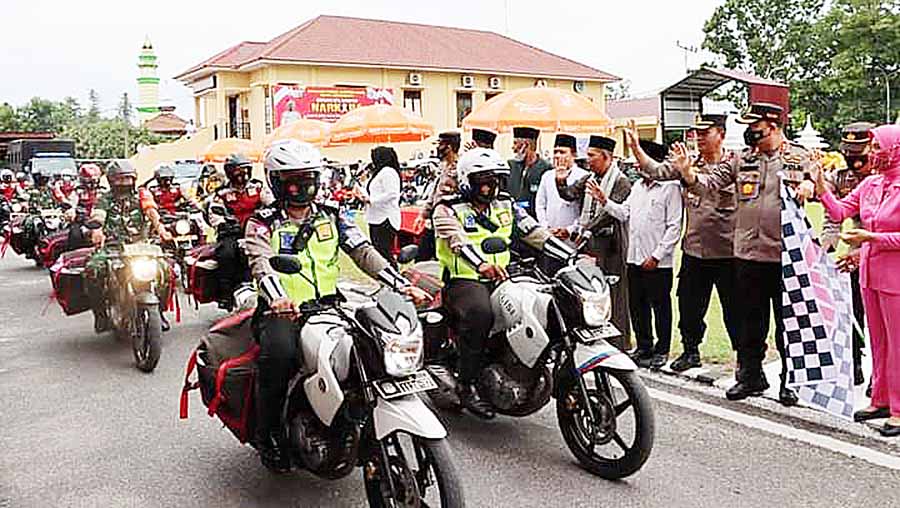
(287, 243)
(324, 232)
(504, 218)
(748, 185)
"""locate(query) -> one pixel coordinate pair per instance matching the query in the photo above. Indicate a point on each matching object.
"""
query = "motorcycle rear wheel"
(146, 337)
(575, 422)
(414, 488)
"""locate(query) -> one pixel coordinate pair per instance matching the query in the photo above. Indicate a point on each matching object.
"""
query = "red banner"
(293, 102)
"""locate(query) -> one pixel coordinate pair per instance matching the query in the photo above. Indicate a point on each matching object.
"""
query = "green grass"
(715, 349)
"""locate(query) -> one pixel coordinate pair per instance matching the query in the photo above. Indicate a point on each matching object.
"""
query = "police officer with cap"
(526, 168)
(708, 246)
(769, 161)
(855, 142)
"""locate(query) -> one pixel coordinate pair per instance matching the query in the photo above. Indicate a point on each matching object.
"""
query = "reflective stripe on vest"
(501, 214)
(318, 260)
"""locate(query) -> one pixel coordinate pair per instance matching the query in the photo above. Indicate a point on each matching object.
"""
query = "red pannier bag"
(225, 362)
(201, 265)
(68, 283)
(52, 246)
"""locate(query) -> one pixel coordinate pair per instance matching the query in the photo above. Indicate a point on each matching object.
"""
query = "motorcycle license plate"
(185, 238)
(607, 331)
(394, 388)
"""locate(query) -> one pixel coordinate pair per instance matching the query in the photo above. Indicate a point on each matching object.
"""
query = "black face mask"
(857, 162)
(481, 197)
(122, 190)
(300, 191)
(442, 151)
(752, 137)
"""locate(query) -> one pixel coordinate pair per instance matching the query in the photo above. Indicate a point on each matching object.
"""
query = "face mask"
(879, 160)
(752, 137)
(482, 197)
(857, 162)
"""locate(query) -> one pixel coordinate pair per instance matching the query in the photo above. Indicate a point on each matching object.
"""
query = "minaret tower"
(148, 83)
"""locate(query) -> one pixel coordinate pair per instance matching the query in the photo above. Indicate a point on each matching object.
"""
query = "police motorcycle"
(549, 339)
(355, 404)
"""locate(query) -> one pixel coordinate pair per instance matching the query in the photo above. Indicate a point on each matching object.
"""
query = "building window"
(412, 100)
(463, 106)
(490, 95)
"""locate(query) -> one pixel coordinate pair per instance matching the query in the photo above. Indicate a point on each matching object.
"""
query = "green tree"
(9, 120)
(94, 108)
(125, 108)
(108, 138)
(836, 57)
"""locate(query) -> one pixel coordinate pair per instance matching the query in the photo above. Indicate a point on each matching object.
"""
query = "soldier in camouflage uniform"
(40, 197)
(855, 142)
(126, 216)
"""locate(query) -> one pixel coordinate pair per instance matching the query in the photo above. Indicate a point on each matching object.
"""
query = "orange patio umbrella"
(310, 131)
(380, 123)
(220, 149)
(544, 108)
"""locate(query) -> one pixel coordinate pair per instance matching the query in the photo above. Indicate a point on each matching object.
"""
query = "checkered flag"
(818, 316)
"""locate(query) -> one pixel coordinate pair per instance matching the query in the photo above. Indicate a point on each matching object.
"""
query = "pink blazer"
(878, 204)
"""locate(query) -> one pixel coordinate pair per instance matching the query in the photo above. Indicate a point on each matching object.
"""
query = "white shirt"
(383, 192)
(653, 213)
(553, 211)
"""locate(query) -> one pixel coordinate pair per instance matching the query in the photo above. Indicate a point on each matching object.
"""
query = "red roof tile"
(355, 41)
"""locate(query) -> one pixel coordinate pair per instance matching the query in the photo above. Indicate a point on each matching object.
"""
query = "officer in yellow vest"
(462, 222)
(295, 225)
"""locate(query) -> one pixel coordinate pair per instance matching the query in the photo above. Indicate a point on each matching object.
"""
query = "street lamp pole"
(887, 94)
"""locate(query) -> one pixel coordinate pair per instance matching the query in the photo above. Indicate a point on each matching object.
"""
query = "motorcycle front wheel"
(146, 330)
(614, 438)
(420, 473)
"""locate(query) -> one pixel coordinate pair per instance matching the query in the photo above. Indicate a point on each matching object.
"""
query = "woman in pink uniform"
(877, 201)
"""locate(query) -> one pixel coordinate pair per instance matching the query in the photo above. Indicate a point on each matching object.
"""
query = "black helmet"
(237, 161)
(293, 169)
(207, 171)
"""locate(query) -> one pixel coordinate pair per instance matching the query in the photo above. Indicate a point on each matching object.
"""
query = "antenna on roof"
(686, 49)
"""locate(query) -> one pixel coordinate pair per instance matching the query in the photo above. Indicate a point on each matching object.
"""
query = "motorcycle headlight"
(143, 269)
(403, 352)
(52, 223)
(16, 208)
(596, 307)
(182, 227)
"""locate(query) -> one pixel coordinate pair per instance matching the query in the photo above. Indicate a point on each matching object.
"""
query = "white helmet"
(295, 159)
(477, 162)
(6, 175)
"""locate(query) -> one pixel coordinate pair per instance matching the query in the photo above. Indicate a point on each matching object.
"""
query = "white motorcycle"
(549, 339)
(355, 403)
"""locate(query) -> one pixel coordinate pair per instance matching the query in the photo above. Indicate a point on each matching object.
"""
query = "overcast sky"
(59, 48)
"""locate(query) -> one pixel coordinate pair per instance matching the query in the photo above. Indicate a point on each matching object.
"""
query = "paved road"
(79, 426)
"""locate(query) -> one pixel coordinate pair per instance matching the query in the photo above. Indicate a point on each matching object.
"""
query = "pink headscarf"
(888, 137)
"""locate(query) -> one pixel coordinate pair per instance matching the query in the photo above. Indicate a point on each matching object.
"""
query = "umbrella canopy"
(310, 131)
(380, 123)
(220, 149)
(544, 108)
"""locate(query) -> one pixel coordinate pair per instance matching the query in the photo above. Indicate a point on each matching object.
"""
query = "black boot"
(687, 360)
(469, 398)
(101, 320)
(267, 440)
(786, 396)
(748, 385)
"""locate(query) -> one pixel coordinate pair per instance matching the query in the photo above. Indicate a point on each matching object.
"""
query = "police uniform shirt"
(709, 232)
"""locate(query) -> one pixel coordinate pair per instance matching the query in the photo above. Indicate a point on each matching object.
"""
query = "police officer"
(708, 245)
(448, 152)
(239, 199)
(88, 191)
(461, 223)
(295, 225)
(855, 145)
(168, 196)
(526, 168)
(758, 172)
(126, 215)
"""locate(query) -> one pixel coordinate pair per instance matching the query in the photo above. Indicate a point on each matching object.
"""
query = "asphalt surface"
(81, 427)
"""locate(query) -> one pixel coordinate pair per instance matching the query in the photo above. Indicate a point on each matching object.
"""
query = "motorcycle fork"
(569, 348)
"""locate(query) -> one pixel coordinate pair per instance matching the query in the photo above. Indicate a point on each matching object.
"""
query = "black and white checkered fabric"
(817, 310)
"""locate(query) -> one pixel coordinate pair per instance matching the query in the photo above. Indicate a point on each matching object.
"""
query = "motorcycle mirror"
(493, 245)
(285, 264)
(408, 254)
(612, 280)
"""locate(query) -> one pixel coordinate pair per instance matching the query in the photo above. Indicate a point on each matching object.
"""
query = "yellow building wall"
(438, 94)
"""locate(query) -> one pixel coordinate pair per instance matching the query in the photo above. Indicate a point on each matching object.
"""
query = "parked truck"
(22, 151)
